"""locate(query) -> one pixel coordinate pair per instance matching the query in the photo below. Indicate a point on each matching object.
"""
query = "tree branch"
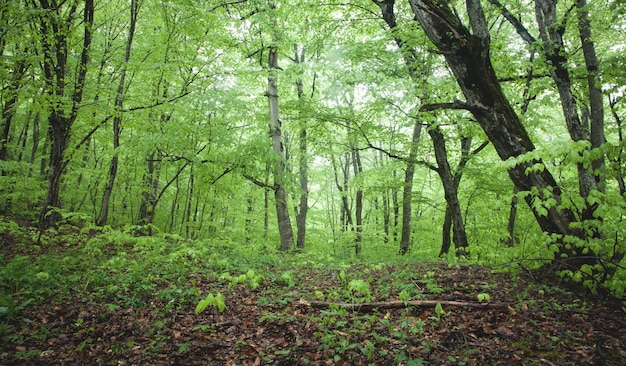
(259, 183)
(457, 104)
(519, 27)
(370, 306)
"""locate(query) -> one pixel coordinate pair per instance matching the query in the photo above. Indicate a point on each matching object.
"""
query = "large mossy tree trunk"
(468, 56)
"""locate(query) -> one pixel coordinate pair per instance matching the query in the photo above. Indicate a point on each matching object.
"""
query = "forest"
(247, 182)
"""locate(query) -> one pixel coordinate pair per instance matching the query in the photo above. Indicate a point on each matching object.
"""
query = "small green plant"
(253, 279)
(368, 350)
(359, 290)
(404, 296)
(439, 311)
(211, 300)
(287, 279)
(483, 297)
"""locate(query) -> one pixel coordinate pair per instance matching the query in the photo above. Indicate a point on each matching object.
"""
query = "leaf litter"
(275, 324)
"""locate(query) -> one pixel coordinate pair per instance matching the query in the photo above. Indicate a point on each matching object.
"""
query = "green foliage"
(251, 278)
(483, 297)
(359, 290)
(216, 301)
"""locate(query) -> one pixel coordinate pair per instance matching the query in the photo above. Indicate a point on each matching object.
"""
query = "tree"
(64, 90)
(554, 47)
(303, 166)
(467, 53)
(280, 192)
(117, 119)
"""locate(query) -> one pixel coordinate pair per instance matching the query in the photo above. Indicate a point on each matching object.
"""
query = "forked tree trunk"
(453, 207)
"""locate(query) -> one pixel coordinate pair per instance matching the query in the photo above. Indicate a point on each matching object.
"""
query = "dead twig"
(370, 306)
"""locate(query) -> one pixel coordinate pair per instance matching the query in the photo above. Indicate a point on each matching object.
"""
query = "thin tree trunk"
(117, 120)
(8, 107)
(266, 204)
(248, 221)
(407, 192)
(554, 47)
(396, 211)
(513, 239)
(617, 156)
(412, 62)
(280, 193)
(450, 190)
(303, 208)
(358, 205)
(596, 104)
(188, 203)
(386, 207)
(150, 188)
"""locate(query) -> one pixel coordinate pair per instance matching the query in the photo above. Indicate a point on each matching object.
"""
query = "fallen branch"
(370, 306)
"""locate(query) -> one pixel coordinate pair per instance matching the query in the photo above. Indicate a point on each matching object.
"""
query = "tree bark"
(468, 56)
(280, 192)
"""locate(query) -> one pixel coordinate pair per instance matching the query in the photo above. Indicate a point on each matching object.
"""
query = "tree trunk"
(596, 104)
(345, 215)
(55, 58)
(266, 204)
(304, 191)
(446, 237)
(117, 120)
(386, 207)
(407, 192)
(8, 107)
(280, 192)
(150, 188)
(248, 221)
(303, 208)
(358, 204)
(513, 239)
(554, 48)
(412, 62)
(467, 55)
(450, 191)
(396, 211)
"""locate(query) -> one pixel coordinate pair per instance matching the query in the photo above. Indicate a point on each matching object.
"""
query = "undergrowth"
(113, 270)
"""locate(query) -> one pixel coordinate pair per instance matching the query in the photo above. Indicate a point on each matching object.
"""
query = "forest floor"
(122, 310)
